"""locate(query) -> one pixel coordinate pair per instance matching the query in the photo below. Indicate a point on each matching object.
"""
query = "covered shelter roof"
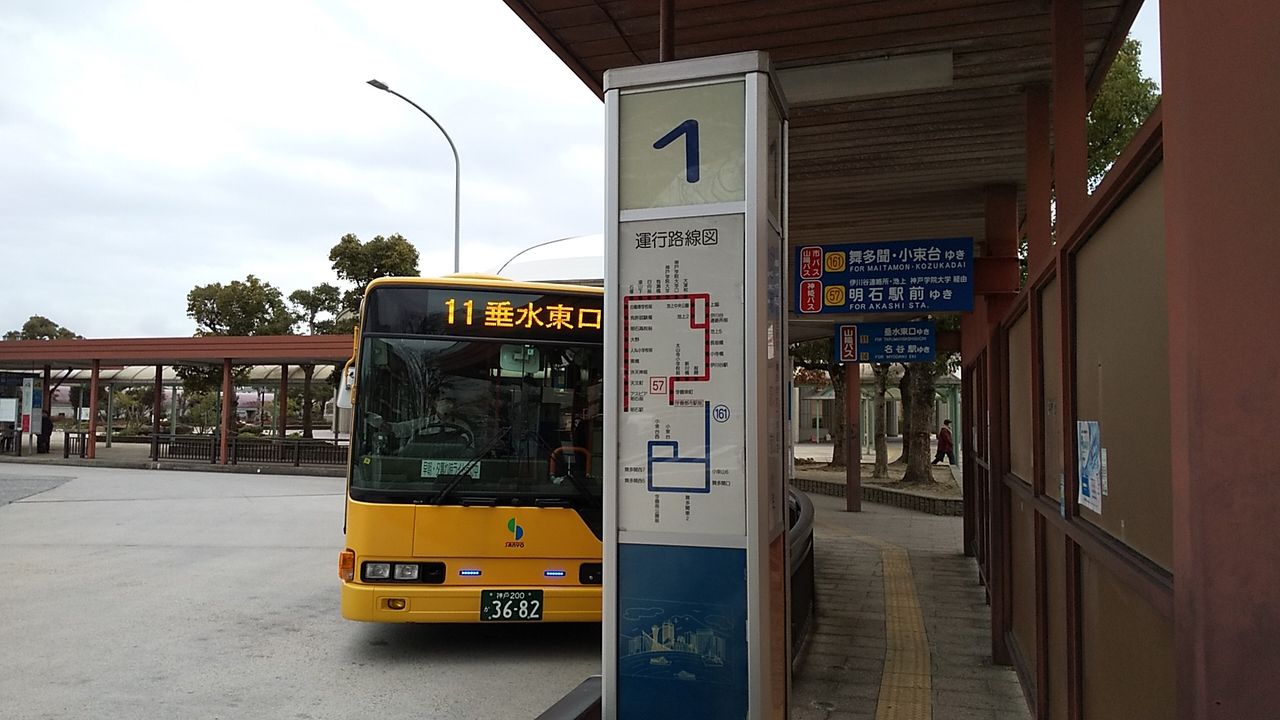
(268, 375)
(120, 352)
(901, 112)
(909, 119)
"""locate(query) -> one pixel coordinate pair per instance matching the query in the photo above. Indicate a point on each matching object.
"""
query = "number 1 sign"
(708, 121)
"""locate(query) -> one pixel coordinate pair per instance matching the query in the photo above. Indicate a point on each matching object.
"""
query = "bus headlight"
(406, 572)
(377, 571)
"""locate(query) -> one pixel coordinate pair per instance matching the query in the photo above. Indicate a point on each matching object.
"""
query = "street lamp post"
(457, 166)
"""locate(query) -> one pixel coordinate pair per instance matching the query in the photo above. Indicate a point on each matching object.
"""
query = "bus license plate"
(511, 605)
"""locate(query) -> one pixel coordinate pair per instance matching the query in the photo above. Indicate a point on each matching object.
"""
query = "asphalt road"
(152, 594)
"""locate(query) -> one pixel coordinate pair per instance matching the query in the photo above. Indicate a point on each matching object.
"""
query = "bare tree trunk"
(837, 417)
(904, 418)
(920, 411)
(881, 372)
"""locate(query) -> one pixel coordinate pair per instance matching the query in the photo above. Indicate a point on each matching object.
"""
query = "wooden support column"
(973, 339)
(1039, 227)
(91, 451)
(999, 546)
(996, 272)
(225, 423)
(1220, 179)
(282, 403)
(1000, 287)
(1070, 105)
(852, 437)
(969, 535)
(156, 403)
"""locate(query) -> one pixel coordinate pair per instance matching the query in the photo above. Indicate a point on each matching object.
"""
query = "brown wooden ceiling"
(902, 166)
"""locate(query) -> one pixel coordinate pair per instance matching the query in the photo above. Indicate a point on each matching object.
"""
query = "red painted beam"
(258, 350)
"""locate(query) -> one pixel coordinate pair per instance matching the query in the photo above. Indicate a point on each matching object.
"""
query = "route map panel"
(681, 465)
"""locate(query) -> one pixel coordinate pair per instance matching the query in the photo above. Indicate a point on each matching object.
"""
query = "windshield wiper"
(463, 472)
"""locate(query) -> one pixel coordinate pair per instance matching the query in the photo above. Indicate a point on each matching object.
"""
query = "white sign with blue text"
(886, 342)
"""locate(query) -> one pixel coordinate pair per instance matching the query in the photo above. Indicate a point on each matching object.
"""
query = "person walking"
(945, 444)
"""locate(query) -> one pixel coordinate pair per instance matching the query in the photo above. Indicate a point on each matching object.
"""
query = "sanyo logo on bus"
(517, 532)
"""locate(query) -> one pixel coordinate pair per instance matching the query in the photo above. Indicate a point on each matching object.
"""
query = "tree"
(39, 327)
(135, 405)
(1125, 100)
(323, 298)
(919, 390)
(202, 409)
(361, 263)
(251, 307)
(819, 356)
(881, 373)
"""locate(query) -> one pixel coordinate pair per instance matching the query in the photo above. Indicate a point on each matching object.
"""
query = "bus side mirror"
(346, 387)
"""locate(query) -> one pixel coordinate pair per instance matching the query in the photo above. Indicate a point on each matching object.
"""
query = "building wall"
(1081, 597)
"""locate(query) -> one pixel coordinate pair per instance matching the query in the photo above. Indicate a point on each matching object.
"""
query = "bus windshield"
(476, 421)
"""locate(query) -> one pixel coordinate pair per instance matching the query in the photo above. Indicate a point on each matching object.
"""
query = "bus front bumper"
(443, 604)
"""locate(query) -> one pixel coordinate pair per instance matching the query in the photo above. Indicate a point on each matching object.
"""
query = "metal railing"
(585, 702)
(198, 448)
(74, 443)
(294, 451)
(281, 451)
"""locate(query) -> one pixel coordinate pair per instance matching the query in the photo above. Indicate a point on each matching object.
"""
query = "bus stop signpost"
(695, 615)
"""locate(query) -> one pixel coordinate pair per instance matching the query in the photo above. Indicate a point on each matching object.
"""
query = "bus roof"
(480, 280)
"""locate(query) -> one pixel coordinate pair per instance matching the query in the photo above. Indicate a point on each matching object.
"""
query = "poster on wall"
(1105, 489)
(1089, 462)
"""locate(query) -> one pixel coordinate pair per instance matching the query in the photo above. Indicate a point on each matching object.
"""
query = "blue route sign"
(886, 342)
(910, 276)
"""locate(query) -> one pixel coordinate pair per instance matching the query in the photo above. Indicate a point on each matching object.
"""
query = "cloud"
(153, 146)
(635, 614)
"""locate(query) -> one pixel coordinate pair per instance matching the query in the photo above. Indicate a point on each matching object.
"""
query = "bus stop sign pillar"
(695, 608)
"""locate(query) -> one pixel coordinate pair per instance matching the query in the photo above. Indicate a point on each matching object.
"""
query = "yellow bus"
(474, 489)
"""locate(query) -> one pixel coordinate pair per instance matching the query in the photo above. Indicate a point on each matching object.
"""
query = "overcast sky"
(150, 146)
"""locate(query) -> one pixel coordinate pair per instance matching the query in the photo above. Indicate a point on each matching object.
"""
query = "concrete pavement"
(903, 628)
(215, 596)
(178, 595)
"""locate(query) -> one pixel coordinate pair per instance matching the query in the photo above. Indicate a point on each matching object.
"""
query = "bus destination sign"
(466, 312)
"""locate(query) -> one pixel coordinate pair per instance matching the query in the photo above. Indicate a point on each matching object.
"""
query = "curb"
(885, 496)
(243, 469)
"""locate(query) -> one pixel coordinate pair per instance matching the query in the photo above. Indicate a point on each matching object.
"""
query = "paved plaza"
(215, 595)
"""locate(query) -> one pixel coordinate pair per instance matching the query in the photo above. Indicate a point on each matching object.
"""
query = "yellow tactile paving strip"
(906, 681)
(905, 685)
